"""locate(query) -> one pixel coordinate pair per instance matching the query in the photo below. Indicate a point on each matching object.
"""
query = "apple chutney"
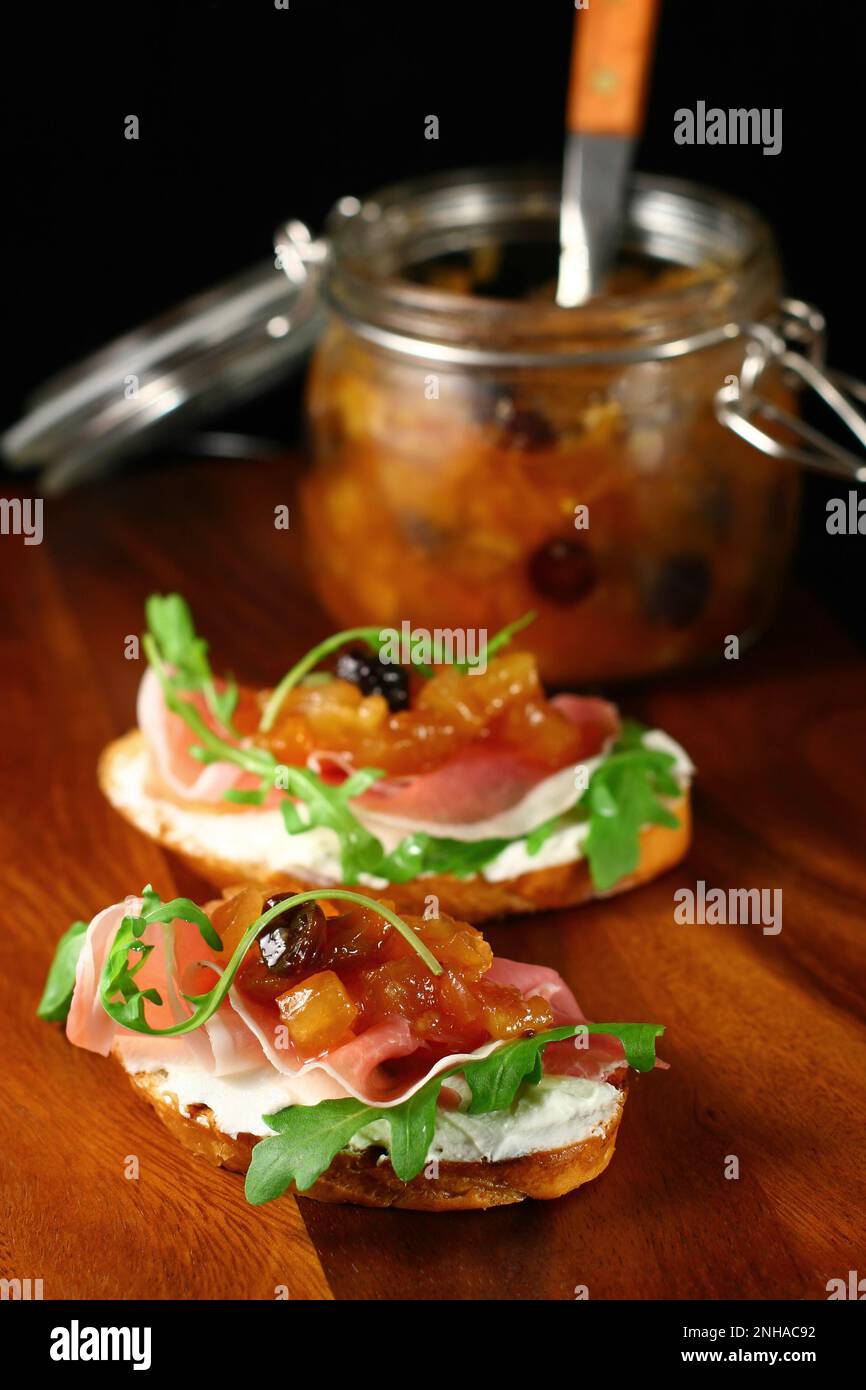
(480, 452)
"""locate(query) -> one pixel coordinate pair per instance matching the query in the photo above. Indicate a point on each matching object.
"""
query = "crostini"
(331, 1048)
(468, 787)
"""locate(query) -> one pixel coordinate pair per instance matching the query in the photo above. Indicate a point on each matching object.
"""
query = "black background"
(249, 114)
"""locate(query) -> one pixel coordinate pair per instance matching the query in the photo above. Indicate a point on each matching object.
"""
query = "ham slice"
(475, 788)
(169, 739)
(353, 1068)
(487, 785)
(244, 1034)
(241, 1035)
(593, 1055)
(538, 979)
(598, 719)
(87, 1024)
(177, 948)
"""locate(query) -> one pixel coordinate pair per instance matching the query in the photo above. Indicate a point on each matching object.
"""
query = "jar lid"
(213, 352)
(235, 341)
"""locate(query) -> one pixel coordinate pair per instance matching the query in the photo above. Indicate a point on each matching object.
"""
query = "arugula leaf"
(427, 854)
(172, 630)
(622, 797)
(170, 621)
(118, 976)
(360, 851)
(638, 1040)
(155, 910)
(412, 1125)
(308, 1140)
(309, 1137)
(537, 837)
(211, 747)
(503, 637)
(631, 735)
(253, 797)
(60, 982)
(495, 1080)
(360, 781)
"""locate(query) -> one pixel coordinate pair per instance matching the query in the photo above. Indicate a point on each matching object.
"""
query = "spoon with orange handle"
(610, 60)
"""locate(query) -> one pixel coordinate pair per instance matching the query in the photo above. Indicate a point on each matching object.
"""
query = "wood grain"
(766, 1035)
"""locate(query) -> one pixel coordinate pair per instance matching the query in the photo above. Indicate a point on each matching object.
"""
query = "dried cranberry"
(678, 589)
(374, 677)
(293, 944)
(563, 570)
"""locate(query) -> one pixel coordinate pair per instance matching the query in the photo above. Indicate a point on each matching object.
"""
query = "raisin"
(274, 899)
(375, 677)
(678, 589)
(522, 428)
(293, 944)
(563, 570)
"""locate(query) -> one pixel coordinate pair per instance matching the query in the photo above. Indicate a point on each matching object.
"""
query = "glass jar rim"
(674, 221)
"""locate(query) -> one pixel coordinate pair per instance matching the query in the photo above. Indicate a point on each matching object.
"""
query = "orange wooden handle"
(610, 61)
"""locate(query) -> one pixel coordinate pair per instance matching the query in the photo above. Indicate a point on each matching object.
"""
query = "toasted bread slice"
(220, 843)
(367, 1179)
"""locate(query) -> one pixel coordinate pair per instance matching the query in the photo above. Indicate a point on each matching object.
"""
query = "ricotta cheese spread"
(559, 1111)
(260, 837)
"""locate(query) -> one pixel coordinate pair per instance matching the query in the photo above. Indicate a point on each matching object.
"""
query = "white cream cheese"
(562, 847)
(238, 1101)
(560, 1110)
(683, 769)
(255, 840)
(259, 837)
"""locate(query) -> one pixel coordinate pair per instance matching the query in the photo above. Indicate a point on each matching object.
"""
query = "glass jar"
(477, 457)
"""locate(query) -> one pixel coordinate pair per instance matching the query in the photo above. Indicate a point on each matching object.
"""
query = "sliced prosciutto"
(483, 792)
(246, 1033)
(595, 1056)
(180, 961)
(170, 739)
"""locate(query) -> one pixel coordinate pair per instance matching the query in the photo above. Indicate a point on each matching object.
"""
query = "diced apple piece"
(231, 918)
(506, 1014)
(317, 1013)
(466, 952)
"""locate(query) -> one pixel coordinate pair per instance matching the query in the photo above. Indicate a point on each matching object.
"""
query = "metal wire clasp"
(739, 407)
(297, 250)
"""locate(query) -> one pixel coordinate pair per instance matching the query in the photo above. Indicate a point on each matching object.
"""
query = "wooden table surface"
(766, 1038)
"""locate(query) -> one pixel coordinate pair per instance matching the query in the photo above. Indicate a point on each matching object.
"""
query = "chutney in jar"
(480, 452)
